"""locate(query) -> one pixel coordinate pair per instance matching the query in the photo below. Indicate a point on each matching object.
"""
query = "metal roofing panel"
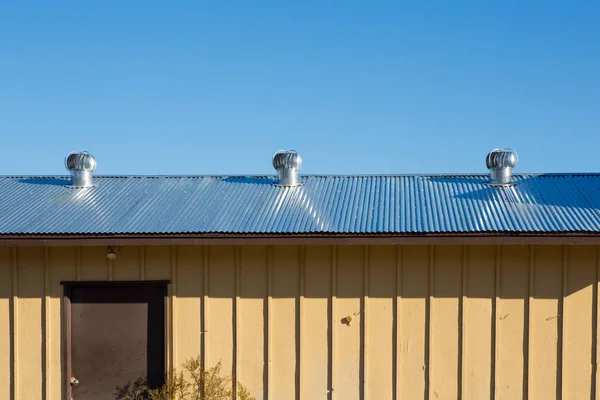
(323, 204)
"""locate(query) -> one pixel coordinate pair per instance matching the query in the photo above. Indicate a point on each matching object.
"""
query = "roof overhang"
(296, 239)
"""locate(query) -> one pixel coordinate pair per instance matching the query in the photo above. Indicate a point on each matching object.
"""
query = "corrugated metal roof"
(419, 204)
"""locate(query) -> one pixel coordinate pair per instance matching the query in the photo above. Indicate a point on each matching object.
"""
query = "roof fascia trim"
(114, 240)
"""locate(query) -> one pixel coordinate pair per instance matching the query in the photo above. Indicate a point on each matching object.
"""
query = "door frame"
(68, 287)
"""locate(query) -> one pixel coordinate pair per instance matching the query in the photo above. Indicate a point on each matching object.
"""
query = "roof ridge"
(270, 176)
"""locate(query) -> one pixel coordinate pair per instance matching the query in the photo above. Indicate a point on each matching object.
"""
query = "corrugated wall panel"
(251, 317)
(29, 323)
(94, 264)
(348, 357)
(479, 291)
(315, 330)
(545, 333)
(220, 307)
(414, 316)
(380, 323)
(158, 265)
(579, 316)
(427, 322)
(512, 321)
(127, 265)
(63, 267)
(190, 291)
(284, 321)
(445, 322)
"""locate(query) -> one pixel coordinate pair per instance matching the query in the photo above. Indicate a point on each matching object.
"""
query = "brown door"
(115, 337)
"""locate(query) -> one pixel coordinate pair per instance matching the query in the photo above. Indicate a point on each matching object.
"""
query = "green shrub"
(132, 390)
(202, 384)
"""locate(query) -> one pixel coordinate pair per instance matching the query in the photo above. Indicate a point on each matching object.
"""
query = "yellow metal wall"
(433, 322)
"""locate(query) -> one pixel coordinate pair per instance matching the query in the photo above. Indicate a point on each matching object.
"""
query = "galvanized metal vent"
(500, 162)
(81, 165)
(287, 163)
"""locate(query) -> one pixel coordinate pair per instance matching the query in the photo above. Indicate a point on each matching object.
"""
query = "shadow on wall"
(389, 271)
(511, 272)
(206, 384)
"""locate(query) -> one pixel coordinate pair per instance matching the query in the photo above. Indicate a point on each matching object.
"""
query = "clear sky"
(216, 87)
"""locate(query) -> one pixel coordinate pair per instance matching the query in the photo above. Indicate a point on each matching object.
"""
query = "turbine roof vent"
(287, 163)
(81, 165)
(500, 162)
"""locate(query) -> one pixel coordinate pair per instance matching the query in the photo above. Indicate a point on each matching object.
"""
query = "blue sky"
(356, 87)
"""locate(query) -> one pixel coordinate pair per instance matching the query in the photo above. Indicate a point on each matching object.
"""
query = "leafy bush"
(132, 390)
(204, 384)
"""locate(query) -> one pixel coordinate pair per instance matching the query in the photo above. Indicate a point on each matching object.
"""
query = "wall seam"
(595, 336)
(462, 350)
(269, 322)
(562, 349)
(528, 334)
(300, 349)
(364, 323)
(429, 325)
(494, 378)
(142, 263)
(397, 359)
(15, 333)
(110, 267)
(47, 381)
(79, 263)
(236, 320)
(174, 293)
(204, 338)
(332, 325)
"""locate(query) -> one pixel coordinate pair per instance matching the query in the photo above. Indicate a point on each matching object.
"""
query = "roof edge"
(271, 176)
(301, 239)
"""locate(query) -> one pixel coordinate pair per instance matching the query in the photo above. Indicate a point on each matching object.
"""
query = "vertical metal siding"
(439, 322)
